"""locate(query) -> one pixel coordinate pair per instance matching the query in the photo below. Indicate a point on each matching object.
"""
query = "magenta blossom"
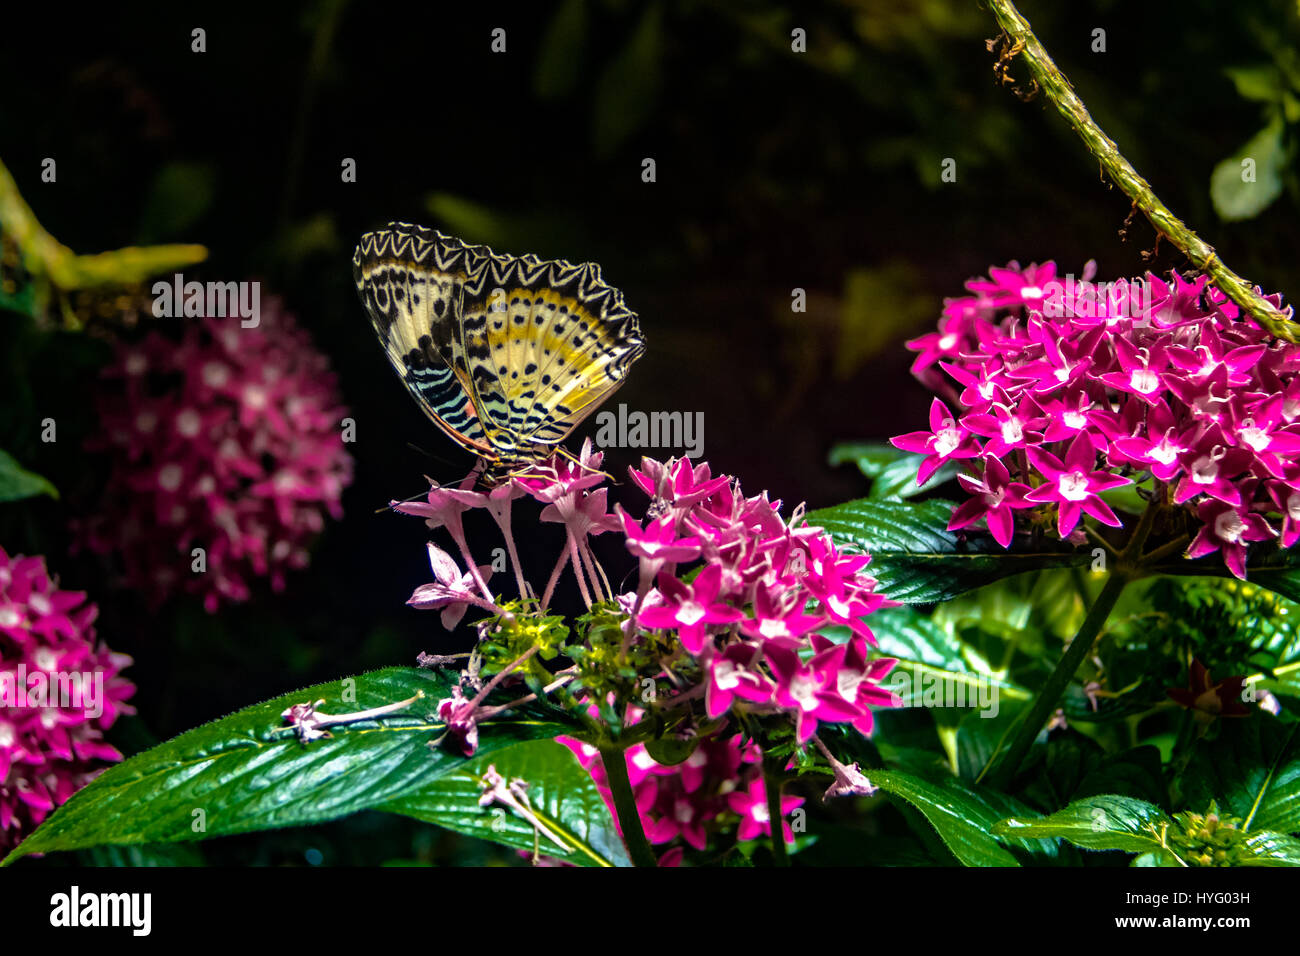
(451, 592)
(1075, 484)
(691, 608)
(946, 440)
(1228, 529)
(1078, 386)
(996, 497)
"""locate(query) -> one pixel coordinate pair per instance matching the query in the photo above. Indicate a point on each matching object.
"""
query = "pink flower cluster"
(1068, 389)
(752, 613)
(749, 617)
(59, 690)
(230, 441)
(746, 625)
(720, 782)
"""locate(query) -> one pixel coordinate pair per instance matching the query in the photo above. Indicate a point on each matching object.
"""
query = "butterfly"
(506, 354)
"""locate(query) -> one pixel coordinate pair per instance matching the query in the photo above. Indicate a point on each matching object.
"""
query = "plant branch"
(775, 820)
(1004, 768)
(1057, 88)
(629, 819)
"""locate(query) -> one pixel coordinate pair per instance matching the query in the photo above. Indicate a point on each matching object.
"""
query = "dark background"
(775, 170)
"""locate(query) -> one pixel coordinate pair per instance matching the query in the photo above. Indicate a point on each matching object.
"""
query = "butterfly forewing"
(528, 347)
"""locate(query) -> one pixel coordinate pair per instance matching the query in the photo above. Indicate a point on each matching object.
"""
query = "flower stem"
(1058, 89)
(555, 577)
(629, 818)
(1004, 769)
(578, 571)
(500, 676)
(775, 822)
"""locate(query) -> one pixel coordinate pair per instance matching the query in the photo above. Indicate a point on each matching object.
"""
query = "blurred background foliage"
(775, 170)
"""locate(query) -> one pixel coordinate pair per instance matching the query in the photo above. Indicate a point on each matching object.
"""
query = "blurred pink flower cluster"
(59, 690)
(1066, 389)
(230, 441)
(720, 782)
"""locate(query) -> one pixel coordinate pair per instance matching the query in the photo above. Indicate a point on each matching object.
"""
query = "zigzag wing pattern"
(413, 306)
(537, 344)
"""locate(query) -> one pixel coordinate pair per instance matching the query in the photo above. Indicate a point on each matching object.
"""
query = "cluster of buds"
(1208, 839)
(1066, 390)
(227, 455)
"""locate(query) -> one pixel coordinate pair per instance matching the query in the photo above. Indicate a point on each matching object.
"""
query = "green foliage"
(248, 772)
(17, 482)
(1103, 822)
(1252, 770)
(1247, 182)
(917, 560)
(1112, 822)
(893, 472)
(963, 816)
(561, 794)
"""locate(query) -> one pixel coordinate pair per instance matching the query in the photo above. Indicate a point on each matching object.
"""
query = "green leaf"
(898, 480)
(930, 660)
(1269, 849)
(870, 457)
(247, 772)
(1156, 858)
(963, 816)
(628, 89)
(166, 854)
(1237, 198)
(1103, 822)
(917, 560)
(1252, 769)
(893, 472)
(17, 483)
(1260, 82)
(560, 792)
(181, 195)
(559, 57)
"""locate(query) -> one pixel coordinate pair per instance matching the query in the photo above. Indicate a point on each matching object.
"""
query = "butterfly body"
(506, 354)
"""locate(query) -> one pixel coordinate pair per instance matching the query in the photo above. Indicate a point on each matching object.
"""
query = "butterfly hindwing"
(531, 346)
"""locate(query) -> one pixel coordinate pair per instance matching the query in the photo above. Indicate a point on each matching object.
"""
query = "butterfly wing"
(508, 354)
(412, 292)
(545, 343)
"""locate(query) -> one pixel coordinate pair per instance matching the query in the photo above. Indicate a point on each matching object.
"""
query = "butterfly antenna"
(430, 455)
(595, 471)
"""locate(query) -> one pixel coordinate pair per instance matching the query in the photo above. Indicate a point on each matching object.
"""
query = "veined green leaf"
(248, 772)
(561, 794)
(917, 560)
(1102, 822)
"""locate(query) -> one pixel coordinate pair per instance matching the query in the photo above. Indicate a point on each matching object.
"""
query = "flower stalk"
(629, 819)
